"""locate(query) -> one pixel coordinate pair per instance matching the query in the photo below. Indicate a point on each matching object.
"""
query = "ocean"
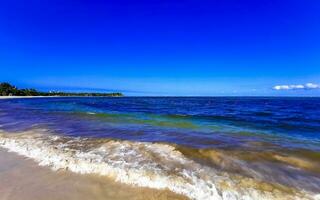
(199, 147)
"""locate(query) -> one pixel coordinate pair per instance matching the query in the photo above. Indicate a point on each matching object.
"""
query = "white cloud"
(297, 87)
(312, 86)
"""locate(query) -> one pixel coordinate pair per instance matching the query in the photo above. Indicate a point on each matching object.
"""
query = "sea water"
(200, 147)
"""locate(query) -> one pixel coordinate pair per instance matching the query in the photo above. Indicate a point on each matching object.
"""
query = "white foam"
(91, 113)
(143, 164)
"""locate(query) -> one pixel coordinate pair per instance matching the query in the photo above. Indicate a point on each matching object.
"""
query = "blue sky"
(188, 47)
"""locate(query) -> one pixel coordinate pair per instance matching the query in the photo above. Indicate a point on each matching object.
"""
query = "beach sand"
(28, 97)
(21, 178)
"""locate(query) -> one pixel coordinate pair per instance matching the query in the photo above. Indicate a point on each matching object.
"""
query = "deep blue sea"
(194, 121)
(273, 139)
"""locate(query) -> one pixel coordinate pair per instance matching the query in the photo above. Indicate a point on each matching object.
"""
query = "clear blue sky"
(190, 47)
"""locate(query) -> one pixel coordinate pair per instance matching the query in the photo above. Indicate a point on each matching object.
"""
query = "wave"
(153, 165)
(91, 113)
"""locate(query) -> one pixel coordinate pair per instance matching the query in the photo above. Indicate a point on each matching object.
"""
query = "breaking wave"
(153, 165)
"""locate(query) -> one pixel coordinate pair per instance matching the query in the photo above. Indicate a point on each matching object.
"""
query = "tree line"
(6, 89)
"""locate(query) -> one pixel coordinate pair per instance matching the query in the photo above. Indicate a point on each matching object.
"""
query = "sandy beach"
(22, 178)
(160, 100)
(28, 97)
(24, 97)
(86, 148)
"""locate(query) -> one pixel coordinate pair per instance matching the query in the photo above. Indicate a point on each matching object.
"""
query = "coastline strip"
(153, 165)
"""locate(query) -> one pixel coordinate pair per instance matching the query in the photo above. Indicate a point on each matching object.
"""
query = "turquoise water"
(276, 140)
(197, 122)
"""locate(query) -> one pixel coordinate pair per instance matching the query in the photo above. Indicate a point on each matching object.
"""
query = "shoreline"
(26, 97)
(158, 168)
(252, 165)
(38, 182)
(29, 97)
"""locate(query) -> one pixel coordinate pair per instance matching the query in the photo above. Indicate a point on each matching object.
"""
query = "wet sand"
(22, 178)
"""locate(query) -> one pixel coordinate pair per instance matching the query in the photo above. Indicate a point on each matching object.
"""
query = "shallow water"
(24, 179)
(203, 148)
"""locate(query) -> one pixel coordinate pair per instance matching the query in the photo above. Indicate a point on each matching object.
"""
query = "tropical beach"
(40, 183)
(177, 153)
(160, 100)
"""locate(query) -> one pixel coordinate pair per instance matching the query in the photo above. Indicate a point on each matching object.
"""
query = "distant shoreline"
(21, 97)
(29, 97)
(8, 90)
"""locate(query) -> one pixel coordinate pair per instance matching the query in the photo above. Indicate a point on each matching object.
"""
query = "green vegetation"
(7, 89)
